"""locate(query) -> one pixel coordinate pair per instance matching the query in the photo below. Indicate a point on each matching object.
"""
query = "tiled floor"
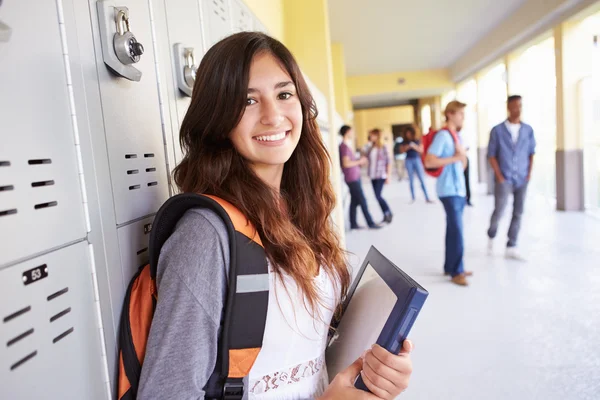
(520, 330)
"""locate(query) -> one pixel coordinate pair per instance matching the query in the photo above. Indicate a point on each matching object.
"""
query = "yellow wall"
(362, 85)
(270, 13)
(307, 35)
(306, 32)
(382, 118)
(343, 105)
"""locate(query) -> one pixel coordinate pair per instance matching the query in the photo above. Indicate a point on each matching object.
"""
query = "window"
(533, 76)
(425, 118)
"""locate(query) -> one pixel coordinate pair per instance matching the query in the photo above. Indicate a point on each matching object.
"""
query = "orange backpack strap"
(247, 292)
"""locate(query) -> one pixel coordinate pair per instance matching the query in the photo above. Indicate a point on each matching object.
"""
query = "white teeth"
(272, 138)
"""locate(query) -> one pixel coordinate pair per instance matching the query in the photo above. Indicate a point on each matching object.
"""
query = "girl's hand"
(342, 387)
(386, 374)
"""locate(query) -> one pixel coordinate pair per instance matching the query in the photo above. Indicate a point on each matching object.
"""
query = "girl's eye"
(250, 102)
(285, 96)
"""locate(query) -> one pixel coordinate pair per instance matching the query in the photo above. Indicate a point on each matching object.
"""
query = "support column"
(508, 63)
(307, 35)
(573, 63)
(485, 174)
(342, 98)
(436, 113)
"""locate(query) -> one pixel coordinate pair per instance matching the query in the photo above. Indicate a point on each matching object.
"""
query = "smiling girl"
(251, 138)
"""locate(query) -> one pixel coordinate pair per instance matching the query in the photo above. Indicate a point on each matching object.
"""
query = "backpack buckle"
(233, 389)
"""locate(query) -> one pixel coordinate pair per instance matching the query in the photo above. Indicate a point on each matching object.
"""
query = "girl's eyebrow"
(277, 86)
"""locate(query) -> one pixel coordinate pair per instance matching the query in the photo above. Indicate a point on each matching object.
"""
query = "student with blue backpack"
(254, 254)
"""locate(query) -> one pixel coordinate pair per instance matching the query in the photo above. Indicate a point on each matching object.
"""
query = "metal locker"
(321, 103)
(182, 54)
(40, 194)
(242, 19)
(216, 16)
(50, 344)
(131, 114)
(133, 245)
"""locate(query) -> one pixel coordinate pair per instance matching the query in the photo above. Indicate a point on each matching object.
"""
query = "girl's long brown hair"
(293, 224)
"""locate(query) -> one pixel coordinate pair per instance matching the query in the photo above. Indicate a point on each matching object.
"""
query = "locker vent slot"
(133, 171)
(60, 314)
(40, 161)
(8, 212)
(142, 251)
(129, 156)
(58, 294)
(4, 163)
(62, 335)
(42, 183)
(153, 184)
(7, 188)
(149, 155)
(150, 169)
(134, 187)
(17, 314)
(19, 338)
(23, 361)
(46, 205)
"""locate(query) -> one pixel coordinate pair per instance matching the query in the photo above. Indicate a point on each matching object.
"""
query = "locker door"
(216, 21)
(132, 121)
(242, 19)
(184, 33)
(49, 336)
(40, 195)
(133, 245)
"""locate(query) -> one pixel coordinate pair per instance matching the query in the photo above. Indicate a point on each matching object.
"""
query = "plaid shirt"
(379, 168)
(512, 157)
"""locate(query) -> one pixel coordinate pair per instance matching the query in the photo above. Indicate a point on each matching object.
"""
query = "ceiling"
(383, 36)
(392, 98)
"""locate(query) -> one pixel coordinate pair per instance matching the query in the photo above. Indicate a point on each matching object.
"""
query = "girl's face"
(270, 127)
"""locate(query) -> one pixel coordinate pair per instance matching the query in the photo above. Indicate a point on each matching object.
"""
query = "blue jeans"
(357, 197)
(455, 246)
(415, 166)
(378, 188)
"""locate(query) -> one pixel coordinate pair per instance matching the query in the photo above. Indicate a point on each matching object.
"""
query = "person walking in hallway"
(468, 183)
(446, 152)
(467, 171)
(351, 169)
(413, 149)
(380, 171)
(400, 158)
(510, 152)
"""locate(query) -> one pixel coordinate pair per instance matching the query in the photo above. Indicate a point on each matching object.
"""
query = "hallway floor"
(521, 330)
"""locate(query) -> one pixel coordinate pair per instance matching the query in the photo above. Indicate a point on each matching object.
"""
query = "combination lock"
(127, 48)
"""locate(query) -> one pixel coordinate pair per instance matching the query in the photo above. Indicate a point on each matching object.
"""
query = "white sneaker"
(513, 254)
(490, 248)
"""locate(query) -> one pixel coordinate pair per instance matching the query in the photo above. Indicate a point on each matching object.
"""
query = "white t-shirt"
(514, 130)
(373, 155)
(291, 362)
